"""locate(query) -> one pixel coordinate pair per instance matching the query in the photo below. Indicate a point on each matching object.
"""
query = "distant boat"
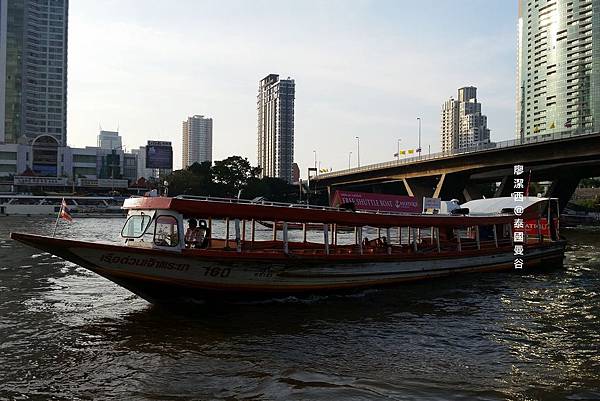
(80, 206)
(163, 263)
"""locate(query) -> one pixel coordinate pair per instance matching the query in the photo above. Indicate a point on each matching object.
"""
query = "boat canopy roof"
(531, 204)
(248, 210)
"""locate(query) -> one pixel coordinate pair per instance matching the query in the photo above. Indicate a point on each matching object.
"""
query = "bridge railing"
(555, 136)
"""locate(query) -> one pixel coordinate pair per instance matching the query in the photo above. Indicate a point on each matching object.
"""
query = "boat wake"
(309, 299)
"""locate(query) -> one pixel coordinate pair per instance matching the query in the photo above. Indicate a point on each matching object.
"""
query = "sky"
(365, 68)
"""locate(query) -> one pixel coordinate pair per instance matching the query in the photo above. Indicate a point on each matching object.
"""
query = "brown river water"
(68, 334)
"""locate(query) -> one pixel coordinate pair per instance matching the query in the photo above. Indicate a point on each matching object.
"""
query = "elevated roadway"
(562, 159)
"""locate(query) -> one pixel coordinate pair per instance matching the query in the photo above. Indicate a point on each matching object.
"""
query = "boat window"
(165, 231)
(136, 225)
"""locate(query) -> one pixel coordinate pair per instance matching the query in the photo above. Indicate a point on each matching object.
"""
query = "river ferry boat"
(80, 206)
(224, 256)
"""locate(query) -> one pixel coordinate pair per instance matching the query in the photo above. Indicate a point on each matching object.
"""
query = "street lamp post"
(358, 150)
(419, 149)
(315, 154)
(349, 156)
(398, 154)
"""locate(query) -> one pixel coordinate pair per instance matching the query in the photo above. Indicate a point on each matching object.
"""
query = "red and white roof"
(243, 209)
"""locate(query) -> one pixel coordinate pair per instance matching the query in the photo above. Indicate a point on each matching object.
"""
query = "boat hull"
(205, 275)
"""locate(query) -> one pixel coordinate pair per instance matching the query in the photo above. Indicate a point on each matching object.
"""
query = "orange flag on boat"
(64, 211)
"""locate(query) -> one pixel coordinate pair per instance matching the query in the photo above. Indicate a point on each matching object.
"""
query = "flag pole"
(58, 217)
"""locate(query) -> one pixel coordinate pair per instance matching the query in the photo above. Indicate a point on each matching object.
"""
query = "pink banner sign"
(377, 202)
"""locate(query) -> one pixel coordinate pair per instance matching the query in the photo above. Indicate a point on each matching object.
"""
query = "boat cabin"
(230, 226)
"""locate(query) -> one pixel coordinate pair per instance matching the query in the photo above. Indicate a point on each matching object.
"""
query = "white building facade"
(463, 126)
(197, 140)
(275, 105)
(142, 171)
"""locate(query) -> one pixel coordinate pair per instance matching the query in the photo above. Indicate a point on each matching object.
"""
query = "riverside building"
(463, 125)
(197, 140)
(558, 62)
(275, 105)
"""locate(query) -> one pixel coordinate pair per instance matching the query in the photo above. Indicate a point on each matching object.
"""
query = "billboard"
(159, 154)
(377, 202)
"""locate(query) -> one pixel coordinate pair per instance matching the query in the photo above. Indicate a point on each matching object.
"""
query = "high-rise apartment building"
(463, 125)
(3, 30)
(275, 104)
(197, 140)
(558, 67)
(33, 70)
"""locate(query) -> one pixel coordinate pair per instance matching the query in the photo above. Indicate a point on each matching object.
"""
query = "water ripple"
(68, 334)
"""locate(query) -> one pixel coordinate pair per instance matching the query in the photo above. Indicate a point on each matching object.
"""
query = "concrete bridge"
(562, 159)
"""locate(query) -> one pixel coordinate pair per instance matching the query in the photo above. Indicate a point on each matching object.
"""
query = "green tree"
(194, 180)
(226, 178)
(590, 183)
(184, 182)
(232, 174)
(202, 170)
(273, 189)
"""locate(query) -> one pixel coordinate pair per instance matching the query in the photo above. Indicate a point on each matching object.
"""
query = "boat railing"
(285, 205)
(296, 205)
(259, 202)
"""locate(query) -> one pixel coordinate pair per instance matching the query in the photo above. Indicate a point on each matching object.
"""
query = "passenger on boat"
(377, 242)
(446, 234)
(204, 234)
(192, 234)
(384, 242)
(486, 233)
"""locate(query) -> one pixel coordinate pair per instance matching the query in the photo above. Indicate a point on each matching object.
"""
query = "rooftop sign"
(159, 143)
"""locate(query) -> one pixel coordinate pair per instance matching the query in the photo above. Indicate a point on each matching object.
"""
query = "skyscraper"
(197, 140)
(463, 125)
(275, 104)
(558, 67)
(109, 140)
(33, 68)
